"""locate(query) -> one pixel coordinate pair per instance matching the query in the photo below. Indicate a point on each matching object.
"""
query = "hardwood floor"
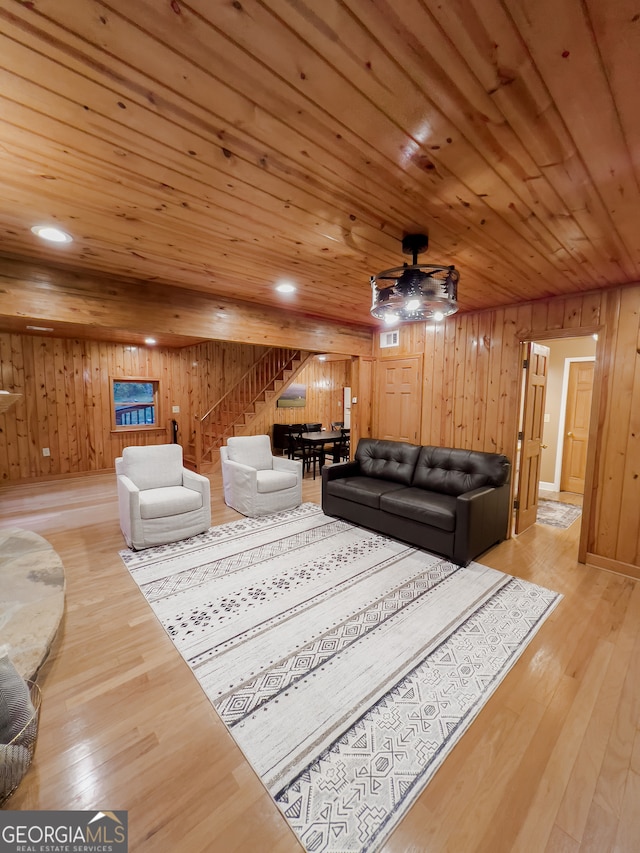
(552, 763)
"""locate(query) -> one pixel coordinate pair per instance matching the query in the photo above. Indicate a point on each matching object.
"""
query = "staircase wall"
(324, 381)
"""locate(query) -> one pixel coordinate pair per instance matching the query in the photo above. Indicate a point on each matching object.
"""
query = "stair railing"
(217, 424)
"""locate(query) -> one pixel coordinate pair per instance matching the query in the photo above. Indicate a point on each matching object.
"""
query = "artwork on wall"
(294, 397)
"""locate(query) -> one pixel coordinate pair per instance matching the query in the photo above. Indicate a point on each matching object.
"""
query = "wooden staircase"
(234, 413)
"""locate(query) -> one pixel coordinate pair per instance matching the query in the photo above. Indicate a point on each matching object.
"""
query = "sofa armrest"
(340, 470)
(482, 517)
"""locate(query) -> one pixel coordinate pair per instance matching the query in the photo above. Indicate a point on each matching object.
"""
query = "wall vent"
(389, 339)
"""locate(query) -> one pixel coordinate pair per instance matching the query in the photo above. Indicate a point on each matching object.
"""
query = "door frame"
(530, 432)
(563, 414)
(592, 445)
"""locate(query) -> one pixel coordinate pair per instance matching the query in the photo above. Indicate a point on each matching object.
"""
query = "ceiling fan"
(414, 291)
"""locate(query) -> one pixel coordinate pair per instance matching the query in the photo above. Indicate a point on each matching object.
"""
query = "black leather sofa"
(453, 502)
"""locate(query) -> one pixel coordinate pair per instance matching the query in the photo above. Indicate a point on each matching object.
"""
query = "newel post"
(198, 444)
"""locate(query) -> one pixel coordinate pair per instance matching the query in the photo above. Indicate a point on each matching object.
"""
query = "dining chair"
(310, 452)
(345, 443)
(294, 445)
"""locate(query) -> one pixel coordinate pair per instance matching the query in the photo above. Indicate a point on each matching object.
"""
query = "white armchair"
(256, 482)
(159, 500)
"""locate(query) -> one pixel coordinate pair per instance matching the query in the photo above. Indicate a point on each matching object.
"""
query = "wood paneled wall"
(66, 405)
(470, 398)
(324, 381)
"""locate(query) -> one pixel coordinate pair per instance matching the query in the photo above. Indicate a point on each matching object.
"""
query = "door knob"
(544, 446)
(569, 434)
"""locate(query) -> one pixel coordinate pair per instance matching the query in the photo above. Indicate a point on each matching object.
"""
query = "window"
(134, 403)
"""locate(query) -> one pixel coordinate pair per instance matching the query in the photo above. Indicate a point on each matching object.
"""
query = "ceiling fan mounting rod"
(414, 244)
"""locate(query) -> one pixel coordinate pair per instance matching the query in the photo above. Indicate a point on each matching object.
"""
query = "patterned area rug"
(557, 514)
(346, 665)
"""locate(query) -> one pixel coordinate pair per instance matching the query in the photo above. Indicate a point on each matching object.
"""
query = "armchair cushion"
(171, 500)
(274, 481)
(153, 466)
(251, 450)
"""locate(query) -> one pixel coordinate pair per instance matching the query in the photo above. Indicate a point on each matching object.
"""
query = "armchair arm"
(482, 516)
(240, 473)
(198, 483)
(294, 466)
(240, 483)
(128, 507)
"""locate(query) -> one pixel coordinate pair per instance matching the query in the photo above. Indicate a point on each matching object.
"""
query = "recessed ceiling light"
(54, 235)
(150, 341)
(285, 287)
(39, 329)
(322, 358)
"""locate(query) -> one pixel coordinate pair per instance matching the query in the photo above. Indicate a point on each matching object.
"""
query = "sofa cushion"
(387, 460)
(361, 490)
(275, 481)
(174, 500)
(430, 508)
(451, 471)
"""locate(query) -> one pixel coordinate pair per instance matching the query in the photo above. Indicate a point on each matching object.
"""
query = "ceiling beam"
(48, 296)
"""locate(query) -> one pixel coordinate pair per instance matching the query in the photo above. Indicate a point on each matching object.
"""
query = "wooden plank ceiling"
(225, 146)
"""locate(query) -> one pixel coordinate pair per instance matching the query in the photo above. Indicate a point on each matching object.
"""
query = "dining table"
(319, 440)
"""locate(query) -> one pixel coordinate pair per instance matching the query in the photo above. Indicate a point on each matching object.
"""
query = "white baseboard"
(547, 487)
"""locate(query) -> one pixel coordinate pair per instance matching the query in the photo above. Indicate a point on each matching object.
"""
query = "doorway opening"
(553, 432)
